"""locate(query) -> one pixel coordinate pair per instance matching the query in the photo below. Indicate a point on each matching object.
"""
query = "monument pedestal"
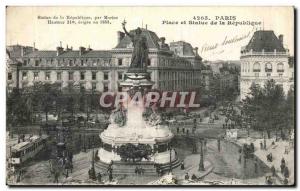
(137, 132)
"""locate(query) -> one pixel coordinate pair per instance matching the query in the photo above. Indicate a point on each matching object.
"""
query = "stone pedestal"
(136, 130)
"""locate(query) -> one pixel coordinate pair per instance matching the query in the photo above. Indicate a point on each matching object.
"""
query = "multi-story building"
(177, 67)
(265, 58)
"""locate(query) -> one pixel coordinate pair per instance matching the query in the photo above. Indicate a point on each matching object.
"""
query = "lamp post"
(201, 164)
(170, 170)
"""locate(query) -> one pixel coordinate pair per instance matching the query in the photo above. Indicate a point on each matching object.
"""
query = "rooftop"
(265, 40)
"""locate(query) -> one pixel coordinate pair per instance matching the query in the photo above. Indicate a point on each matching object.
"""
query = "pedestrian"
(269, 180)
(186, 177)
(273, 170)
(240, 159)
(182, 165)
(56, 175)
(286, 172)
(252, 147)
(261, 145)
(282, 167)
(183, 130)
(136, 170)
(187, 132)
(99, 177)
(177, 130)
(255, 166)
(110, 177)
(67, 173)
(219, 144)
(282, 161)
(194, 177)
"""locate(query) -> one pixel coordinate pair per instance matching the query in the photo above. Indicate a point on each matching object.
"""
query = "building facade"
(265, 58)
(174, 67)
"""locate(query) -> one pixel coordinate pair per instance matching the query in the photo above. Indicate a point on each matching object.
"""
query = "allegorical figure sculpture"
(140, 50)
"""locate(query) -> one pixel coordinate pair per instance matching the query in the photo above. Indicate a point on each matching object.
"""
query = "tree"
(263, 108)
(17, 110)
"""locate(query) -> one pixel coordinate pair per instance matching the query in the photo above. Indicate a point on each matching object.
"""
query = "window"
(9, 76)
(268, 67)
(82, 87)
(58, 75)
(70, 75)
(70, 62)
(94, 75)
(280, 67)
(120, 76)
(47, 76)
(93, 86)
(120, 61)
(149, 62)
(35, 75)
(82, 63)
(105, 76)
(120, 89)
(37, 63)
(268, 74)
(105, 88)
(280, 75)
(256, 67)
(25, 62)
(24, 75)
(81, 75)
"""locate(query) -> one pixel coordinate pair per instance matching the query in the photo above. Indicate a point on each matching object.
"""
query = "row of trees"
(23, 104)
(267, 109)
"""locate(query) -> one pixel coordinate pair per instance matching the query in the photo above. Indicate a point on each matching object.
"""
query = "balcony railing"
(256, 70)
(280, 70)
(251, 53)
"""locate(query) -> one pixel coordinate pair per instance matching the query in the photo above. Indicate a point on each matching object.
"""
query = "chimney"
(89, 48)
(33, 47)
(59, 50)
(281, 39)
(121, 35)
(81, 50)
(22, 51)
(162, 42)
(195, 51)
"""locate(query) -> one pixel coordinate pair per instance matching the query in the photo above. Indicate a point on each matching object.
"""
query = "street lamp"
(170, 170)
(201, 164)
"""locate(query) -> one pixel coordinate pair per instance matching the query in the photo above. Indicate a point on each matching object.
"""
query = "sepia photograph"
(150, 96)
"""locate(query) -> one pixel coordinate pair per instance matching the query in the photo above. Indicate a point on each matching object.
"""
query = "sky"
(24, 27)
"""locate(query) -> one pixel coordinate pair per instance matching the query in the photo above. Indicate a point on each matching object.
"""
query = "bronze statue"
(139, 57)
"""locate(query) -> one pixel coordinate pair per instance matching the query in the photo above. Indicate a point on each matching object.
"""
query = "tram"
(23, 151)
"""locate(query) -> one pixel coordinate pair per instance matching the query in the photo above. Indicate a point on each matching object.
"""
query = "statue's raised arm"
(126, 32)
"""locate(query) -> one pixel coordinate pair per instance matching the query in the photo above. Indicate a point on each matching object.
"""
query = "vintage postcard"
(169, 96)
